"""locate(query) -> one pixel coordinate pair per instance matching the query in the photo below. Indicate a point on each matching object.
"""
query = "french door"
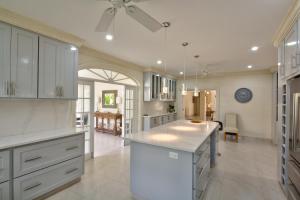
(84, 117)
(130, 112)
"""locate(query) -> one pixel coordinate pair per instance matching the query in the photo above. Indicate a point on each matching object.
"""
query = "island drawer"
(34, 157)
(201, 176)
(5, 191)
(203, 148)
(43, 181)
(4, 166)
(198, 194)
(203, 158)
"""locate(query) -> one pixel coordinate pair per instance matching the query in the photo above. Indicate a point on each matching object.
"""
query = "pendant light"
(166, 25)
(196, 91)
(183, 92)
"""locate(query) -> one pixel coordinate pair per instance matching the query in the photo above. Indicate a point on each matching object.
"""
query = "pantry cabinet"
(57, 69)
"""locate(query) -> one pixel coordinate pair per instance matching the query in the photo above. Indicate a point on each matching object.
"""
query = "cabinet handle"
(32, 186)
(56, 91)
(33, 159)
(71, 171)
(61, 91)
(71, 148)
(294, 61)
(12, 88)
(6, 88)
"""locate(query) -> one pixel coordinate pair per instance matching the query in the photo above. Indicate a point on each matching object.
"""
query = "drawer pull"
(32, 186)
(71, 171)
(72, 148)
(33, 159)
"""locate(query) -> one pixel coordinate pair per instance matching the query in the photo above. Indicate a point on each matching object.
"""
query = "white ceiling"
(220, 31)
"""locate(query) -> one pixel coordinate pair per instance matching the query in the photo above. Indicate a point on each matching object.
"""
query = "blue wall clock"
(243, 95)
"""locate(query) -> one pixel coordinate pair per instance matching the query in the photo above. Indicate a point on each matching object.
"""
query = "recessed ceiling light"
(159, 62)
(255, 48)
(109, 37)
(73, 48)
(181, 73)
(250, 66)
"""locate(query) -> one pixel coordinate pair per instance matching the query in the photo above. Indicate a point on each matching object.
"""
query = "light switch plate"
(173, 155)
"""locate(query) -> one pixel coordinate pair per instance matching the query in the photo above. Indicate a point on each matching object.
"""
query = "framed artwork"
(109, 98)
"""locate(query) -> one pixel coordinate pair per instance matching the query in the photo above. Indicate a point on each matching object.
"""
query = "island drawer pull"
(32, 186)
(33, 159)
(72, 148)
(71, 171)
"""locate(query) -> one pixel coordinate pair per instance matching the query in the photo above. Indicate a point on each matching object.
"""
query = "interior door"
(130, 113)
(5, 38)
(84, 114)
(24, 66)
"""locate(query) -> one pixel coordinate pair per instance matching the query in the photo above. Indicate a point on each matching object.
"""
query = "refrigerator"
(294, 140)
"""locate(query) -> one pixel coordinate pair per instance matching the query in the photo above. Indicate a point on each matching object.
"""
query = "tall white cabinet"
(57, 69)
(24, 64)
(5, 38)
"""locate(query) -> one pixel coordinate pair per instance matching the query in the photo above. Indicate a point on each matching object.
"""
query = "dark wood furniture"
(107, 122)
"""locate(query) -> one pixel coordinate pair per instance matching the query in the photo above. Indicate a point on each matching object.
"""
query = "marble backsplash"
(156, 107)
(32, 116)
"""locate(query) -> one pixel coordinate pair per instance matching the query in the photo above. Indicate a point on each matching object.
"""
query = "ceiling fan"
(133, 11)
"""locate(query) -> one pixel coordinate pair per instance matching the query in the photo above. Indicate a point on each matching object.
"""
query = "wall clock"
(243, 95)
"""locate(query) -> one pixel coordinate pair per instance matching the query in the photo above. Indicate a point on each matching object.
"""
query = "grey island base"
(172, 162)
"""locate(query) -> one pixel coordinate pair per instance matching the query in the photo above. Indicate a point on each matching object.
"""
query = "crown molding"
(228, 74)
(287, 23)
(30, 24)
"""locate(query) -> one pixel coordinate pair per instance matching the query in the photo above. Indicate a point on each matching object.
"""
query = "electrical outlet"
(173, 155)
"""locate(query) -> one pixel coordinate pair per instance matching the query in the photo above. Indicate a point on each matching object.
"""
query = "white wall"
(30, 116)
(99, 87)
(255, 117)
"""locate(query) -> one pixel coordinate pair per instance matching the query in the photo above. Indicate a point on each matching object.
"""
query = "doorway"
(122, 91)
(201, 107)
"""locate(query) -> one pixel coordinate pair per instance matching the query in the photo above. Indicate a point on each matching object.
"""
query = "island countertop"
(179, 135)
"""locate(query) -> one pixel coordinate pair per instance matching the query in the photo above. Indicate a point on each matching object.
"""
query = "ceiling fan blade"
(106, 19)
(143, 18)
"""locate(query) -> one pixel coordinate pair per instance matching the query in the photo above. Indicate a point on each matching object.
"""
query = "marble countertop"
(179, 135)
(24, 139)
(157, 115)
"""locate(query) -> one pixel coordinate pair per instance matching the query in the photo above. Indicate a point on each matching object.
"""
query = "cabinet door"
(5, 38)
(66, 71)
(281, 66)
(48, 51)
(24, 58)
(290, 52)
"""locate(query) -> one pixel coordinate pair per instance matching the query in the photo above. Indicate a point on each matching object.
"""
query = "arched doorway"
(89, 80)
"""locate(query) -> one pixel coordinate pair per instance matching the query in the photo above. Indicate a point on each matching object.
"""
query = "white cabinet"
(24, 64)
(5, 38)
(291, 46)
(18, 62)
(57, 69)
(281, 66)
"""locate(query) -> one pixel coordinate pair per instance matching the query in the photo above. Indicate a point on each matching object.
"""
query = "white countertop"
(24, 139)
(180, 135)
(157, 115)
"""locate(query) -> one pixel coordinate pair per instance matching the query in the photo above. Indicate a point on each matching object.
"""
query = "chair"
(231, 126)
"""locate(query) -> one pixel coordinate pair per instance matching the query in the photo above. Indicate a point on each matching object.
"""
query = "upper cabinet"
(158, 88)
(34, 66)
(57, 69)
(281, 63)
(291, 46)
(18, 62)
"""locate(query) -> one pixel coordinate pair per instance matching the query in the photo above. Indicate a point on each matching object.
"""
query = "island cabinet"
(5, 175)
(18, 62)
(57, 69)
(172, 162)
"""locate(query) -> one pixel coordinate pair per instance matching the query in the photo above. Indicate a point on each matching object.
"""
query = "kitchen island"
(173, 161)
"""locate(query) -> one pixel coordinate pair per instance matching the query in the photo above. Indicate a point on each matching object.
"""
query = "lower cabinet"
(152, 122)
(38, 183)
(5, 191)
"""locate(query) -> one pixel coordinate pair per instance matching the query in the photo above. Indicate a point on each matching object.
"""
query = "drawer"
(34, 157)
(205, 146)
(4, 166)
(41, 182)
(5, 191)
(198, 194)
(201, 176)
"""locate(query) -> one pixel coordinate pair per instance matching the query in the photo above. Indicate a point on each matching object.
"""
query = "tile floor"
(245, 171)
(106, 143)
